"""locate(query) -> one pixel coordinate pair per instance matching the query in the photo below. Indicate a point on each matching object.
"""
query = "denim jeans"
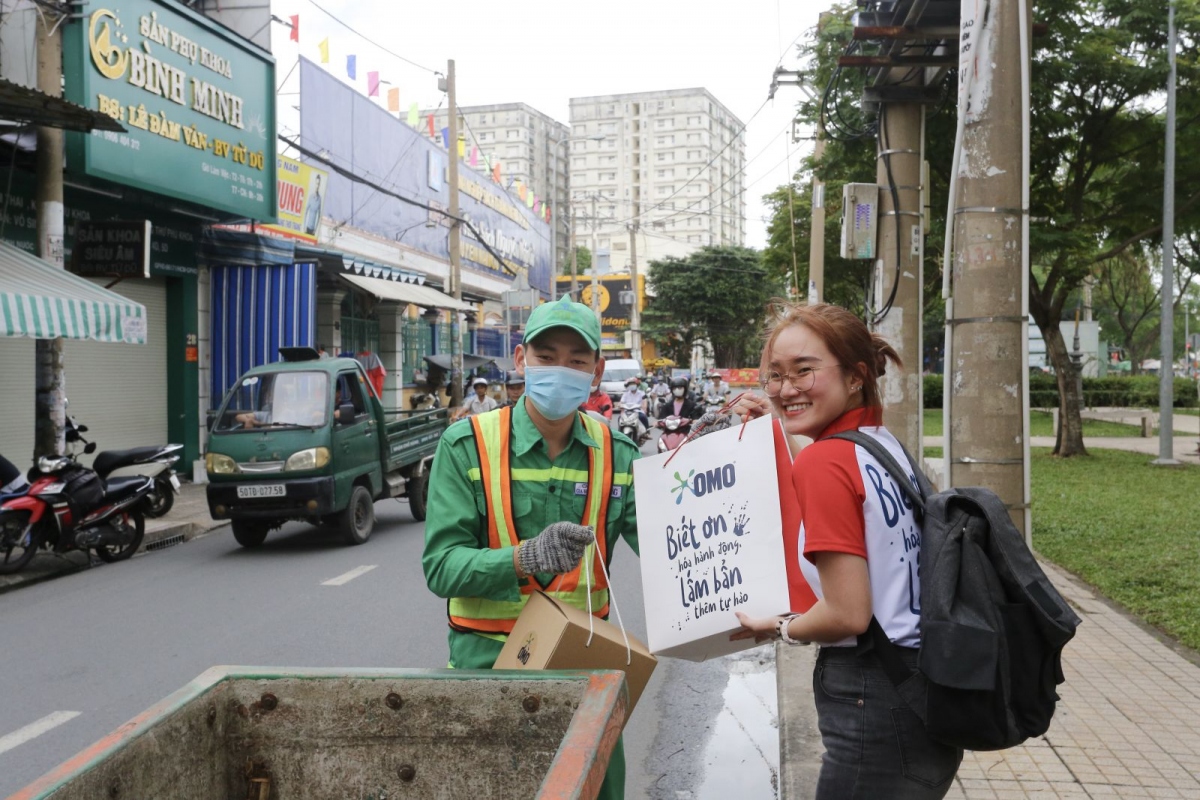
(875, 746)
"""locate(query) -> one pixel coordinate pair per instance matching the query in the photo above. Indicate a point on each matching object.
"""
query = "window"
(665, 190)
(512, 134)
(665, 173)
(694, 137)
(349, 391)
(693, 120)
(608, 176)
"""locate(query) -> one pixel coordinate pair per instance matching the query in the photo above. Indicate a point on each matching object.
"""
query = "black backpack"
(993, 626)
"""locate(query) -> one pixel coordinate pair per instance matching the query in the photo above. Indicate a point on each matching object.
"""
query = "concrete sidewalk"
(188, 518)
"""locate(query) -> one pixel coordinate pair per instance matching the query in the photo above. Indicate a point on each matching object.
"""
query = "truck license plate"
(262, 490)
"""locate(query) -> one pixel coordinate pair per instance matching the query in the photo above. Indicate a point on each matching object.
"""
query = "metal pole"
(635, 315)
(574, 259)
(456, 360)
(1166, 370)
(595, 265)
(50, 413)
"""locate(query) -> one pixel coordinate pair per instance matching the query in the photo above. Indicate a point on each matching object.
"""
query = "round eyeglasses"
(802, 380)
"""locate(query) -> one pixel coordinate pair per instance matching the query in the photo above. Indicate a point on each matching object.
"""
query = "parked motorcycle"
(675, 431)
(630, 424)
(153, 461)
(70, 507)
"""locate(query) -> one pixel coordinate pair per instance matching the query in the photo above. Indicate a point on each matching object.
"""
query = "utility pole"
(635, 315)
(456, 360)
(816, 241)
(986, 317)
(50, 410)
(898, 171)
(1166, 369)
(574, 259)
(595, 265)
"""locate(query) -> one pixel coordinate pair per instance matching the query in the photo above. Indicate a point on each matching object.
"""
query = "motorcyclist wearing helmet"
(634, 395)
(680, 403)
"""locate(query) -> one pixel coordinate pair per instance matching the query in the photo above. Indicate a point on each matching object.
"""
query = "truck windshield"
(619, 375)
(276, 400)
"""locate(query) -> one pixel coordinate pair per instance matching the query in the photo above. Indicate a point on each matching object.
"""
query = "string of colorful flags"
(473, 157)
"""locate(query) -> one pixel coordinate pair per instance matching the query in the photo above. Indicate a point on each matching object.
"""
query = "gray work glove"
(710, 423)
(556, 550)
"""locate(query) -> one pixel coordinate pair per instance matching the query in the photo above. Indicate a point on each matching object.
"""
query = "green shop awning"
(41, 301)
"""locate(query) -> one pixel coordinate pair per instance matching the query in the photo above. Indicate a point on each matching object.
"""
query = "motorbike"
(70, 507)
(152, 461)
(630, 424)
(675, 431)
(714, 401)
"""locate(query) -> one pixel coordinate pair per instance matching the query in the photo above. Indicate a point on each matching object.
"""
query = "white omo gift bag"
(710, 536)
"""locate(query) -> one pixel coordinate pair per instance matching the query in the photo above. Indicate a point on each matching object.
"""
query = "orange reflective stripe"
(595, 510)
(484, 625)
(485, 472)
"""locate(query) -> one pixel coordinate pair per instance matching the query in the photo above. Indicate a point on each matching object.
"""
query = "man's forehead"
(561, 338)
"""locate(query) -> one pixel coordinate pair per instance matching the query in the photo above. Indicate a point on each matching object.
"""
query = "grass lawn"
(1041, 423)
(1129, 529)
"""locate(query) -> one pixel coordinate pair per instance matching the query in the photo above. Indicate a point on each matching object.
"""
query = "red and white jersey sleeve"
(850, 504)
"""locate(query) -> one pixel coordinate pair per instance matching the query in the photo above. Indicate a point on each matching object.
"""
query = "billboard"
(368, 141)
(616, 299)
(301, 191)
(198, 103)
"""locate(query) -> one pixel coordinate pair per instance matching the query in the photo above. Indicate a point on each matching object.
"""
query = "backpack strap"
(916, 493)
(875, 638)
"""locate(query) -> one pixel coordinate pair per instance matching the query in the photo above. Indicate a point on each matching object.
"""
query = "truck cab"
(307, 439)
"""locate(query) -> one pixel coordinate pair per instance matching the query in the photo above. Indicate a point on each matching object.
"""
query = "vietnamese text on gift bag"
(709, 532)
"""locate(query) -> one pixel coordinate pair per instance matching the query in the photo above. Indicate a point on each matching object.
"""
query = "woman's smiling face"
(832, 393)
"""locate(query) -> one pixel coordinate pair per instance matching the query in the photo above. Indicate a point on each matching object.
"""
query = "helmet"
(631, 380)
(679, 383)
(714, 374)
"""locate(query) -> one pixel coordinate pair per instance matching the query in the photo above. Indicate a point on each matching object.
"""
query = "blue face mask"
(557, 391)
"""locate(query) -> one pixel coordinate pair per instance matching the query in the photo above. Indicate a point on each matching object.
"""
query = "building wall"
(653, 144)
(530, 147)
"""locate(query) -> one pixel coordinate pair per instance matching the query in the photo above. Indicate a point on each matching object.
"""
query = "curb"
(800, 747)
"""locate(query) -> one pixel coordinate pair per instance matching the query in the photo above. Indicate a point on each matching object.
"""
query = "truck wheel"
(250, 532)
(358, 520)
(418, 497)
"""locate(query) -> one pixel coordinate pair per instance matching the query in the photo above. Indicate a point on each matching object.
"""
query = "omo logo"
(702, 483)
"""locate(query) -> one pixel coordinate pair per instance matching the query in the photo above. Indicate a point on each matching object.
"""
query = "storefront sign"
(116, 248)
(197, 100)
(301, 195)
(616, 299)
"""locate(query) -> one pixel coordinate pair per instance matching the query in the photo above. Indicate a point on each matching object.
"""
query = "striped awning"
(41, 301)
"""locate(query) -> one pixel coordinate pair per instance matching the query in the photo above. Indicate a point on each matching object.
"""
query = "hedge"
(1140, 391)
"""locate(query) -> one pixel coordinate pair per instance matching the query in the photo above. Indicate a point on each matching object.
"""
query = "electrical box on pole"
(860, 220)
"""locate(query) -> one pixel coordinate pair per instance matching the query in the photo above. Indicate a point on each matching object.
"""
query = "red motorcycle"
(69, 507)
(675, 431)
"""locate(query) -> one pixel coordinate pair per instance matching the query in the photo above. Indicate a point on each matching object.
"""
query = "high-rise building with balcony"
(665, 167)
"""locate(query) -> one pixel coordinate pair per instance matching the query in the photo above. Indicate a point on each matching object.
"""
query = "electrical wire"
(371, 41)
(887, 163)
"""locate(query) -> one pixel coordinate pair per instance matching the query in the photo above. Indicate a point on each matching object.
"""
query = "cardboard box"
(711, 537)
(554, 635)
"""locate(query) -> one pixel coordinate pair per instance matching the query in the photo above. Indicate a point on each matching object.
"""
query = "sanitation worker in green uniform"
(523, 498)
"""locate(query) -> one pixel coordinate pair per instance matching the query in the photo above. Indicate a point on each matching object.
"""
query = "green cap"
(564, 314)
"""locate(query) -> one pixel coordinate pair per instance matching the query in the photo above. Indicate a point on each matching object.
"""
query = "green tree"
(1097, 131)
(716, 293)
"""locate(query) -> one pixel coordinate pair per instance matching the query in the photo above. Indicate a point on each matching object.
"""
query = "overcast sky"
(543, 53)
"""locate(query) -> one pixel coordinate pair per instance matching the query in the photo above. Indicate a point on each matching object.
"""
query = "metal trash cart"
(254, 733)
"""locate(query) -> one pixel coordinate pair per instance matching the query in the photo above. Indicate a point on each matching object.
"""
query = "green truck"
(306, 438)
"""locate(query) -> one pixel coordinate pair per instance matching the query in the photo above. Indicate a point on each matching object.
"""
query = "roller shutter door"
(120, 390)
(17, 399)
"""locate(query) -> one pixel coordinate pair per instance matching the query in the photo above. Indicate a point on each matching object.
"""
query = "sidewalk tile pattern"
(1128, 724)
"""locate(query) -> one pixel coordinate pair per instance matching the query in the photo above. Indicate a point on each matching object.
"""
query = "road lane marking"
(349, 576)
(35, 729)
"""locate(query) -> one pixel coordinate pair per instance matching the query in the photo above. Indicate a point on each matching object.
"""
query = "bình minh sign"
(197, 101)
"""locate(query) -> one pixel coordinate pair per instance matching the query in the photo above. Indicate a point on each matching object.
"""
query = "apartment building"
(669, 164)
(530, 147)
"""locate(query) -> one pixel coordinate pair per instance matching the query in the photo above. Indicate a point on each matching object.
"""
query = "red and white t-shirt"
(850, 504)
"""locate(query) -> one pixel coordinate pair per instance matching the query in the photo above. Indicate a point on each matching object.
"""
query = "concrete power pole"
(635, 315)
(898, 171)
(456, 360)
(816, 241)
(50, 409)
(986, 375)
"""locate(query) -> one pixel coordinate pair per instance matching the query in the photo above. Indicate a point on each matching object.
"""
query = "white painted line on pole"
(349, 576)
(35, 729)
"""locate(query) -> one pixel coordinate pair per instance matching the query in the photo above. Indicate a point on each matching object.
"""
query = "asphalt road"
(86, 652)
